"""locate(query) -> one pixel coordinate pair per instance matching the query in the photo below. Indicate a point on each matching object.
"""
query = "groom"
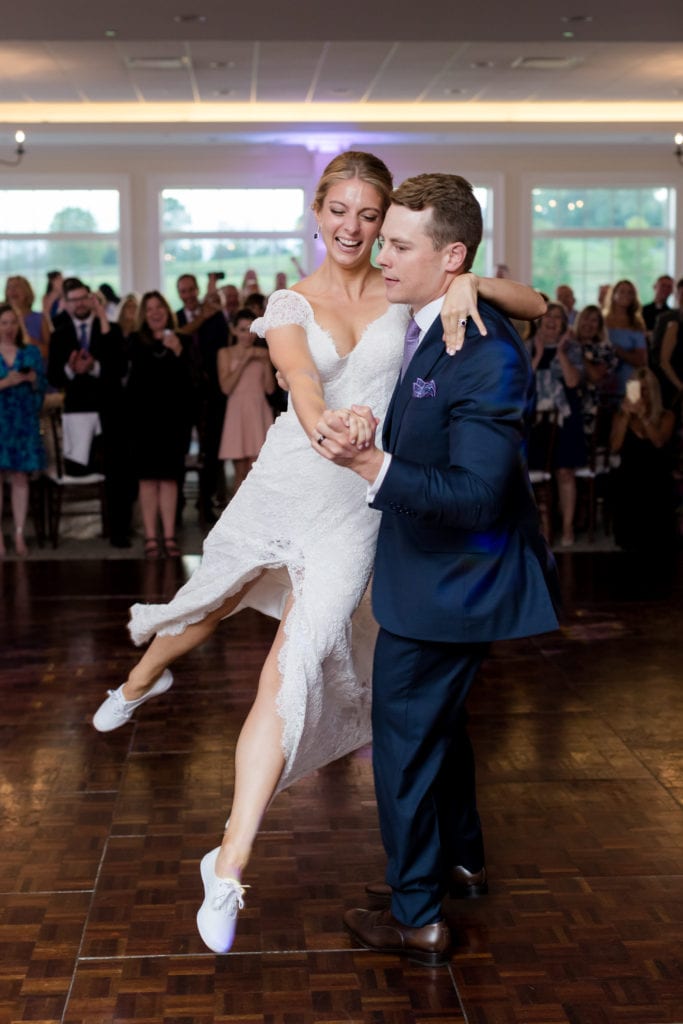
(460, 559)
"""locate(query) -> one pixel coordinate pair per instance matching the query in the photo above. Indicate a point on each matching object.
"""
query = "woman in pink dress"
(245, 373)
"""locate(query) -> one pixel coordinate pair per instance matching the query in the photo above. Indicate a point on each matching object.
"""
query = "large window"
(586, 237)
(230, 231)
(73, 230)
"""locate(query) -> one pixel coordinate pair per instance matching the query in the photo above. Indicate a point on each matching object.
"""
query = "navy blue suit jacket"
(460, 556)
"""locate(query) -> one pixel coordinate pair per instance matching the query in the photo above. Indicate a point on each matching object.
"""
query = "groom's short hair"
(456, 214)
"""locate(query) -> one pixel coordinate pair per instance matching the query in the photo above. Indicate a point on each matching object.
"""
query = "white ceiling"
(411, 65)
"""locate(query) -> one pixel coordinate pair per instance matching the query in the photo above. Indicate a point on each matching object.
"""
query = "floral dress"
(21, 444)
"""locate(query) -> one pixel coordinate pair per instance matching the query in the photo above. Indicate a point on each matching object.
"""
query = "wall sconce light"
(678, 152)
(20, 139)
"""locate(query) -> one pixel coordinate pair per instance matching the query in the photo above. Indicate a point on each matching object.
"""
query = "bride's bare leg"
(259, 762)
(163, 650)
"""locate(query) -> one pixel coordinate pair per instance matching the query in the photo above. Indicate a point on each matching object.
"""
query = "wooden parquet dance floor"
(579, 746)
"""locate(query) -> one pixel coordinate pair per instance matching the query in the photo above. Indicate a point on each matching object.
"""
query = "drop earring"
(316, 233)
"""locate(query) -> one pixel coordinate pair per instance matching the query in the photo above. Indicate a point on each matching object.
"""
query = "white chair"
(60, 485)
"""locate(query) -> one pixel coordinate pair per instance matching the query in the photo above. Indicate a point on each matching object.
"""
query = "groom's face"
(414, 271)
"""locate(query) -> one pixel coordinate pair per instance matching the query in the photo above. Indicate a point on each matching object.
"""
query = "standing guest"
(558, 365)
(246, 377)
(643, 492)
(250, 285)
(565, 295)
(663, 288)
(87, 363)
(671, 361)
(54, 293)
(19, 293)
(626, 330)
(460, 560)
(129, 312)
(297, 541)
(204, 334)
(230, 300)
(22, 386)
(112, 301)
(159, 399)
(600, 362)
(660, 328)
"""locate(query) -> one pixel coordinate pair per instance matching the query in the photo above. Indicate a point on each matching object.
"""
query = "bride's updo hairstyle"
(365, 166)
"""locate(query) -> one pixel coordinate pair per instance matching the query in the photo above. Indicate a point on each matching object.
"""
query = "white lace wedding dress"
(307, 523)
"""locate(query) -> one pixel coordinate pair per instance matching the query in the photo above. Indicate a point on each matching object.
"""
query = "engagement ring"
(321, 439)
(463, 323)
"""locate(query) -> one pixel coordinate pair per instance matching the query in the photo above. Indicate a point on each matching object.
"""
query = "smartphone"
(633, 390)
(219, 275)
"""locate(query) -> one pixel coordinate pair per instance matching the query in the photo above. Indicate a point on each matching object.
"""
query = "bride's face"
(350, 220)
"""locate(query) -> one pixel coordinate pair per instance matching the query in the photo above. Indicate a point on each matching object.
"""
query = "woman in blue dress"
(22, 386)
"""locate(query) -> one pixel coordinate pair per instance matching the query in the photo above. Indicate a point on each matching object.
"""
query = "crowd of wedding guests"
(609, 382)
(145, 391)
(142, 393)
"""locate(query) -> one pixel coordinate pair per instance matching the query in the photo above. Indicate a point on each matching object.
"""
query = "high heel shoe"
(116, 710)
(223, 899)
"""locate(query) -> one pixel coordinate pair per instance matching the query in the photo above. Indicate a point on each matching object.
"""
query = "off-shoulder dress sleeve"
(284, 307)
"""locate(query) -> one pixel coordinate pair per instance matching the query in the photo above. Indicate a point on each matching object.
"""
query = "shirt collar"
(425, 317)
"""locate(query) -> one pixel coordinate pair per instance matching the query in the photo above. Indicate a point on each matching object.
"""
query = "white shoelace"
(228, 896)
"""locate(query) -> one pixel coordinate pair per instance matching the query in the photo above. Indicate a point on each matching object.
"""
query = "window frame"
(71, 181)
(599, 180)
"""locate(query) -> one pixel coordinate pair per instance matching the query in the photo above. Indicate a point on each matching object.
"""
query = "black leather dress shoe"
(463, 885)
(379, 930)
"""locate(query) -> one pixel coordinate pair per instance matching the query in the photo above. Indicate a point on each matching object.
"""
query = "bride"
(297, 540)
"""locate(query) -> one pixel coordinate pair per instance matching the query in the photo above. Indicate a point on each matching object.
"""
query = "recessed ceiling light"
(546, 63)
(156, 63)
(189, 19)
(110, 33)
(576, 19)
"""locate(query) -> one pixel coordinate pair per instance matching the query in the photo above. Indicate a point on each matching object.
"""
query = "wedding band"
(463, 323)
(320, 439)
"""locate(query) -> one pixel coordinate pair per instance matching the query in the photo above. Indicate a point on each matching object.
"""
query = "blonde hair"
(655, 408)
(355, 164)
(29, 296)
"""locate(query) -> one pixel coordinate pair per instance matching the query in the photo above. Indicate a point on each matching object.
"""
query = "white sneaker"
(217, 916)
(116, 710)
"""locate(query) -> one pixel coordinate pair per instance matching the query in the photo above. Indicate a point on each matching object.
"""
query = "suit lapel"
(421, 365)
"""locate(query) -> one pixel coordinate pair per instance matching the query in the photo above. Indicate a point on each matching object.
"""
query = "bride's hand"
(459, 304)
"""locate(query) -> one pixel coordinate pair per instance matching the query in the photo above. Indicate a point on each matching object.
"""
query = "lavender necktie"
(411, 342)
(83, 340)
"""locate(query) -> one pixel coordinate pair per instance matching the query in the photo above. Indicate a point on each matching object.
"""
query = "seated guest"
(643, 491)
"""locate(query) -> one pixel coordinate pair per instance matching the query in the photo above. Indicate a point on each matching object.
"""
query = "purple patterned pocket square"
(424, 388)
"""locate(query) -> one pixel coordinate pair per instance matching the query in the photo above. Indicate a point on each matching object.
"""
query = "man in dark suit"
(87, 362)
(205, 331)
(460, 558)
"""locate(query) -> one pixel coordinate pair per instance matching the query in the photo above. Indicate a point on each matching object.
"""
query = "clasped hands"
(347, 437)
